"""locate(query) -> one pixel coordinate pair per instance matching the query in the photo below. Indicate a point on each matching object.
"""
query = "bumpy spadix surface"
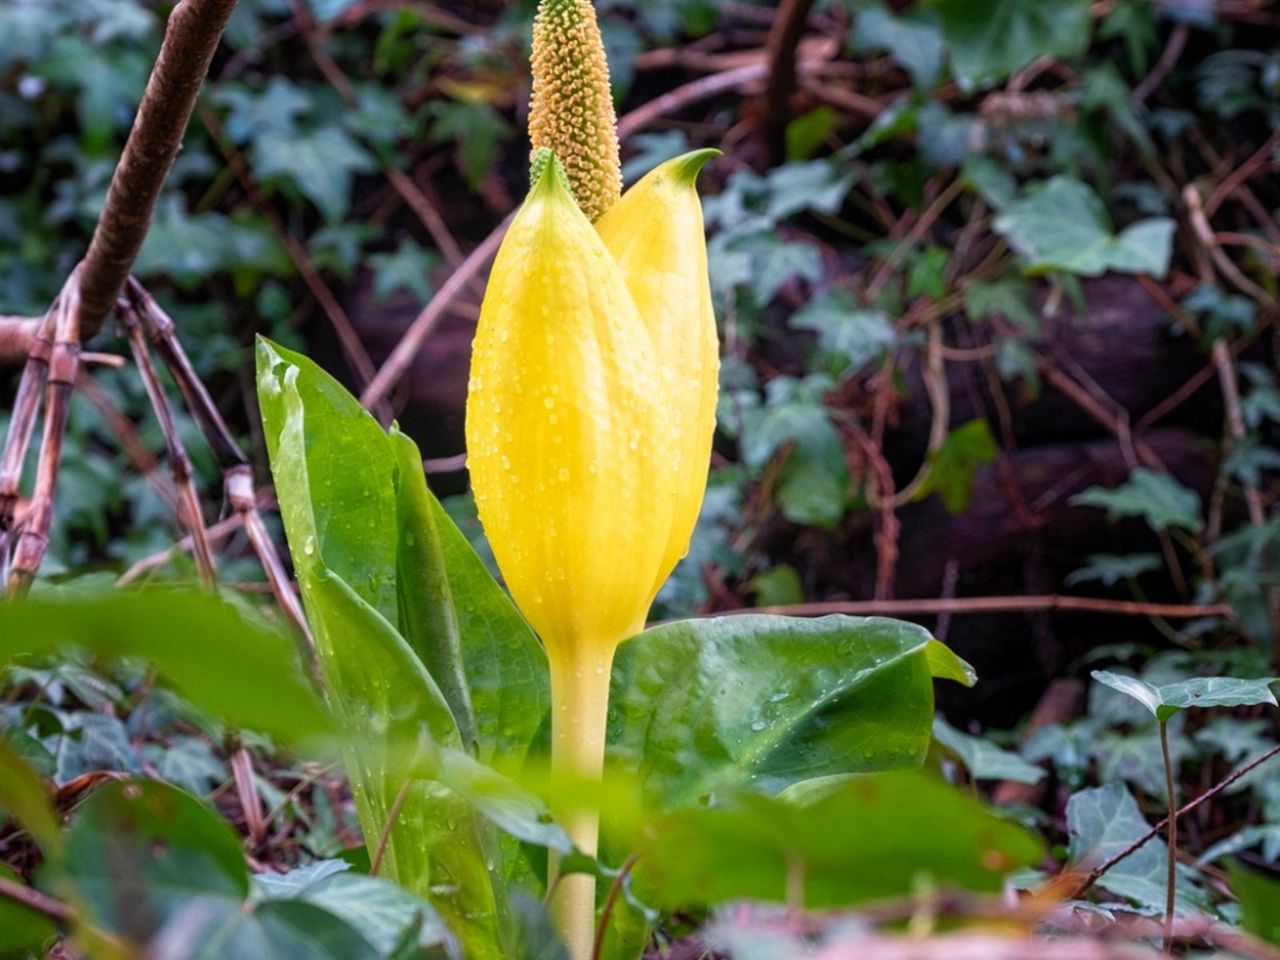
(571, 110)
(568, 435)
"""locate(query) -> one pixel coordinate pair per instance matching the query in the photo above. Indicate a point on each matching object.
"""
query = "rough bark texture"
(191, 37)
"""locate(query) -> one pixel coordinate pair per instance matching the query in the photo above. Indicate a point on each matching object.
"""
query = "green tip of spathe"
(685, 169)
(546, 172)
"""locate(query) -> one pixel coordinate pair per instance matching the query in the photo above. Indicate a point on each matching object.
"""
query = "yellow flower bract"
(592, 404)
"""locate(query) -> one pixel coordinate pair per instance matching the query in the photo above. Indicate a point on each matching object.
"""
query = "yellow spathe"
(567, 430)
(657, 237)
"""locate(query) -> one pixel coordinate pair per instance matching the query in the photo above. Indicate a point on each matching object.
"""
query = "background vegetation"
(997, 292)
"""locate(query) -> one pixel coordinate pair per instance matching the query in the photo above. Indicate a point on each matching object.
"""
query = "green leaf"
(1061, 224)
(138, 852)
(1104, 821)
(855, 337)
(1203, 692)
(982, 758)
(1259, 897)
(407, 269)
(321, 164)
(342, 490)
(241, 671)
(839, 842)
(380, 911)
(1110, 569)
(807, 133)
(504, 666)
(1156, 497)
(989, 41)
(913, 38)
(214, 929)
(703, 706)
(24, 797)
(22, 930)
(954, 466)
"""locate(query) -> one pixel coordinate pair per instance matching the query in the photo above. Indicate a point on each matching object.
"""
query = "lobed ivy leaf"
(989, 41)
(982, 758)
(1155, 497)
(1061, 224)
(1168, 699)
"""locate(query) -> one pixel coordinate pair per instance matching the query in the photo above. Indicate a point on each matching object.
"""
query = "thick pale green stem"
(579, 714)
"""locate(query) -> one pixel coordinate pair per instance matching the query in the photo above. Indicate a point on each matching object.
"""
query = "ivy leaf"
(406, 269)
(954, 465)
(320, 165)
(1105, 820)
(1109, 569)
(1156, 497)
(1204, 692)
(914, 39)
(1061, 224)
(982, 758)
(989, 41)
(275, 109)
(853, 336)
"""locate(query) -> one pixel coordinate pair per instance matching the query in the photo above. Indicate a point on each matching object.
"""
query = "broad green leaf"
(382, 912)
(216, 928)
(1156, 497)
(23, 796)
(991, 40)
(1204, 692)
(504, 666)
(241, 671)
(1104, 821)
(326, 451)
(332, 468)
(1061, 224)
(1259, 897)
(839, 842)
(138, 852)
(703, 706)
(22, 931)
(982, 758)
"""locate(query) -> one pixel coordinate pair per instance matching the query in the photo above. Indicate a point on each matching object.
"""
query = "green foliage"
(988, 41)
(1167, 700)
(836, 841)
(1062, 225)
(1155, 497)
(418, 644)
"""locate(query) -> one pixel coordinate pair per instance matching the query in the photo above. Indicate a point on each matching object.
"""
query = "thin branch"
(41, 903)
(192, 35)
(784, 38)
(1092, 877)
(16, 336)
(975, 605)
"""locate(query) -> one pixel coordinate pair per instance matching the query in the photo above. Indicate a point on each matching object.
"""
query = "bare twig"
(16, 336)
(41, 903)
(976, 605)
(1092, 877)
(63, 366)
(189, 512)
(384, 839)
(784, 37)
(192, 34)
